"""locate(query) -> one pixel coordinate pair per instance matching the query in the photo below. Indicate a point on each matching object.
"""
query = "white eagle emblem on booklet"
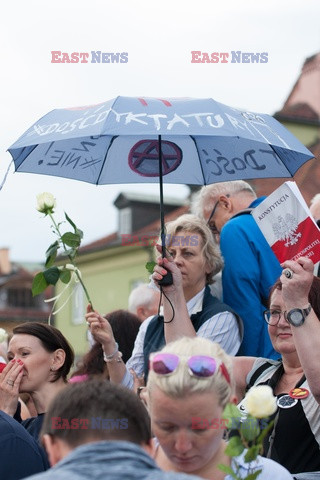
(287, 224)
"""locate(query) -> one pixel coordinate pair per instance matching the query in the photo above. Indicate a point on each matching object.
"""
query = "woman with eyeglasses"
(294, 328)
(190, 382)
(189, 309)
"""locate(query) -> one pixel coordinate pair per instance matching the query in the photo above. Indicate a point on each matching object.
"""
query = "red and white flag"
(287, 224)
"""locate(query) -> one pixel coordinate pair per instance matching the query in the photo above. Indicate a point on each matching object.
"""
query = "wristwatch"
(297, 316)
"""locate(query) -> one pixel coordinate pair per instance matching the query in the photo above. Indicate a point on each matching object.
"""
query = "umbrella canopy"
(202, 142)
(179, 140)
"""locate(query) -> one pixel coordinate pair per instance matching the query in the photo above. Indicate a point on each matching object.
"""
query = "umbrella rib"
(290, 174)
(196, 146)
(111, 108)
(105, 159)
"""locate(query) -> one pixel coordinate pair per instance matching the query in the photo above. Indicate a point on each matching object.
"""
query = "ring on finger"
(10, 382)
(288, 272)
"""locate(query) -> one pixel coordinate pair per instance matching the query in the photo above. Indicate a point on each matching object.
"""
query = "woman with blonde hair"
(189, 309)
(190, 383)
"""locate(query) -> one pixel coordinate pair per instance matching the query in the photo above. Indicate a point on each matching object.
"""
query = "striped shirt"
(221, 328)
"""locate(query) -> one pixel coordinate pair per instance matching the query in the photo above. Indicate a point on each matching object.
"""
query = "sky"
(158, 38)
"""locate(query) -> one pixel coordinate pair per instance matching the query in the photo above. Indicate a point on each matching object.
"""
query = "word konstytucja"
(85, 57)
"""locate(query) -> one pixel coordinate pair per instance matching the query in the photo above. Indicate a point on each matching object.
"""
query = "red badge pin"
(299, 393)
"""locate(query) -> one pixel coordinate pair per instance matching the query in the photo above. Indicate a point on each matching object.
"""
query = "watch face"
(296, 317)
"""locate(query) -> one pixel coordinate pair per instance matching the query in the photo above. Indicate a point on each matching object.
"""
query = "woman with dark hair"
(39, 360)
(125, 326)
(293, 319)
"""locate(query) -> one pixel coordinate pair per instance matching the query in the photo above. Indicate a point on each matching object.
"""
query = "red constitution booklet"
(287, 224)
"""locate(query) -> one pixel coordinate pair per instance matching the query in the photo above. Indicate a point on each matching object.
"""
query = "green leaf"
(65, 276)
(51, 253)
(77, 230)
(80, 233)
(52, 275)
(150, 266)
(253, 476)
(50, 261)
(233, 415)
(252, 453)
(227, 469)
(39, 284)
(71, 239)
(234, 447)
(52, 247)
(250, 428)
(73, 225)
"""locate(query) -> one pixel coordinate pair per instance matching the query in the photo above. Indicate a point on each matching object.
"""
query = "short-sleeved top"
(222, 328)
(296, 443)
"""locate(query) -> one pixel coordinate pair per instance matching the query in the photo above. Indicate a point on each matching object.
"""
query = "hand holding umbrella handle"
(167, 279)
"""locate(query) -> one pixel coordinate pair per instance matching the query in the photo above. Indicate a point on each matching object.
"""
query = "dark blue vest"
(154, 339)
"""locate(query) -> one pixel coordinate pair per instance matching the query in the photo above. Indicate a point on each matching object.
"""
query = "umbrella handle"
(167, 279)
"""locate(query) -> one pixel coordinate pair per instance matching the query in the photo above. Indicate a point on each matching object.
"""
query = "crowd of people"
(188, 359)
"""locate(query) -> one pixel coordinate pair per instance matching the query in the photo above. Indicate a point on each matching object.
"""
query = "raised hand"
(163, 266)
(10, 380)
(296, 286)
(100, 329)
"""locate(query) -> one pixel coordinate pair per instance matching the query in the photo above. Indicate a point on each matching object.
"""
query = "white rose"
(3, 335)
(45, 202)
(260, 401)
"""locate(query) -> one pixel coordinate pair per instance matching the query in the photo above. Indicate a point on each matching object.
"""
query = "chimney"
(5, 265)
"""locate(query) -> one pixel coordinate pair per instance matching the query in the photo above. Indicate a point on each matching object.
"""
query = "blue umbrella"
(179, 140)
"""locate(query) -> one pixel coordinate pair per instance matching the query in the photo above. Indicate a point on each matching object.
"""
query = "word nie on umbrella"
(226, 57)
(85, 57)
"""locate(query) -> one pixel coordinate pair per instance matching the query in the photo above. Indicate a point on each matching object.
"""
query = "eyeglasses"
(213, 227)
(200, 366)
(272, 317)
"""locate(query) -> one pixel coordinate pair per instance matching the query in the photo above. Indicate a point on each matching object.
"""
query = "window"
(20, 297)
(125, 220)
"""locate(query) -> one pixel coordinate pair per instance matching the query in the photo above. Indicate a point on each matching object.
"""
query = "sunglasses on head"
(200, 366)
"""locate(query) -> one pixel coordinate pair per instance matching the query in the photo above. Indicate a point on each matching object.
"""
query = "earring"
(52, 369)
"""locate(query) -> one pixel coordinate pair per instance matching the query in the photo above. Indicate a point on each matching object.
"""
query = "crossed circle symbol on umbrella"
(144, 157)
